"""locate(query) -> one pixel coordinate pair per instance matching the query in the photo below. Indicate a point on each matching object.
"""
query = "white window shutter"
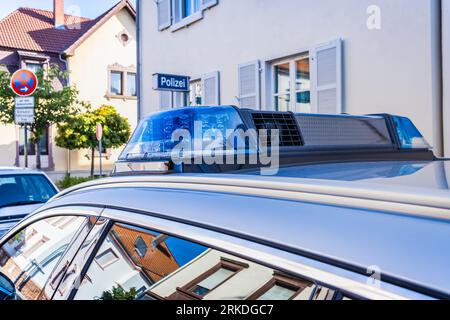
(250, 85)
(208, 3)
(211, 89)
(326, 75)
(164, 14)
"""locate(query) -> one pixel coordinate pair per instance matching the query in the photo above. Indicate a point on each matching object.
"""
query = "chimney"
(58, 12)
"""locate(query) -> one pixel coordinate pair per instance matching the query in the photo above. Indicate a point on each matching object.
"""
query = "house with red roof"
(100, 56)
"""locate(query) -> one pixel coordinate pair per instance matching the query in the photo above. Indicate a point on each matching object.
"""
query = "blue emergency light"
(233, 132)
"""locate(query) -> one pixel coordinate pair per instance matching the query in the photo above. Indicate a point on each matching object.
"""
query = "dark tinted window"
(30, 256)
(134, 263)
(24, 189)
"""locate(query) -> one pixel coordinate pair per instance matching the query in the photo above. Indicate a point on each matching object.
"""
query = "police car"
(321, 207)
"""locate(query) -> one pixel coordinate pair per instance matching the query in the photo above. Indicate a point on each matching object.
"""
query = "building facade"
(100, 56)
(322, 56)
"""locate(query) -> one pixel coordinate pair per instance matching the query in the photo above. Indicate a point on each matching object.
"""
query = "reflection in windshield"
(136, 264)
(30, 256)
(24, 189)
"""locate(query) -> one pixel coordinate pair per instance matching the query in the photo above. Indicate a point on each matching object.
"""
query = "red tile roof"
(33, 30)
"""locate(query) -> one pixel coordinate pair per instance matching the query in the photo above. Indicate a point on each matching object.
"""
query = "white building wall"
(89, 74)
(384, 70)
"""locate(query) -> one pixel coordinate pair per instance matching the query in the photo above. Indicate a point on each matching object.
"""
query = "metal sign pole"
(100, 150)
(25, 149)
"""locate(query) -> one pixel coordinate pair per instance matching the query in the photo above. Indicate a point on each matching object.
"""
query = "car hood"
(11, 212)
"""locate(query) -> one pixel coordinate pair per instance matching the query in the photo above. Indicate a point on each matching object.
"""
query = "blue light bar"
(409, 136)
(153, 139)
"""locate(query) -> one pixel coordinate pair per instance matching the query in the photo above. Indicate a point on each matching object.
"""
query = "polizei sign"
(170, 82)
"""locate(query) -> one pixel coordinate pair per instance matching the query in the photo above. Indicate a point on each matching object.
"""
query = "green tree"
(52, 105)
(79, 132)
(119, 294)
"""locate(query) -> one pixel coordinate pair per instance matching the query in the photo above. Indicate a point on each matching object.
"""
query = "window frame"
(225, 263)
(292, 61)
(124, 73)
(285, 281)
(152, 221)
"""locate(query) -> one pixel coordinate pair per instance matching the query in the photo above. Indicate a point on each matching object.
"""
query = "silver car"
(22, 191)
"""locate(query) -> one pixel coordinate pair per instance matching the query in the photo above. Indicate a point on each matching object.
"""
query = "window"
(43, 143)
(29, 257)
(131, 84)
(196, 93)
(310, 82)
(213, 278)
(284, 287)
(33, 67)
(141, 247)
(106, 258)
(212, 282)
(185, 8)
(148, 265)
(116, 83)
(181, 13)
(122, 82)
(292, 85)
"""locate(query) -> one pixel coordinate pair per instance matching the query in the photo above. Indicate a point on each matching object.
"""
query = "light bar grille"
(282, 121)
(343, 131)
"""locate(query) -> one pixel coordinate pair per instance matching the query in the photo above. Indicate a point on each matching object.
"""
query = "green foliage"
(69, 181)
(53, 105)
(79, 131)
(118, 293)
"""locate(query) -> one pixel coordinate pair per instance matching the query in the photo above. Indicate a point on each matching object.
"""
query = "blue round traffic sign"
(24, 82)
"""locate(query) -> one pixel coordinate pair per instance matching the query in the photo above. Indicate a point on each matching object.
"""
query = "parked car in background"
(22, 191)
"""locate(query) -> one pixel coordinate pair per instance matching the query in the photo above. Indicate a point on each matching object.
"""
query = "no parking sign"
(24, 83)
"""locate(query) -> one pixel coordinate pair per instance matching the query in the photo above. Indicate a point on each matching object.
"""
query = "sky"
(87, 8)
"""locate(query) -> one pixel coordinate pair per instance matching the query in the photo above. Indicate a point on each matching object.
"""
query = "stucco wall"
(386, 70)
(8, 145)
(89, 73)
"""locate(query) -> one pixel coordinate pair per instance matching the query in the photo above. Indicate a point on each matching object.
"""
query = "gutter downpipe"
(445, 18)
(66, 62)
(437, 76)
(139, 61)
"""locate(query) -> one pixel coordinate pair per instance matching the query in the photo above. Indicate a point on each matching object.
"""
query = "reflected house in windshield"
(29, 258)
(218, 276)
(128, 259)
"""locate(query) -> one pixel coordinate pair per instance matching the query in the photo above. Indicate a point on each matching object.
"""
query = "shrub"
(69, 181)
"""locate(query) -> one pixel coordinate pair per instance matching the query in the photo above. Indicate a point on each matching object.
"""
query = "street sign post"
(99, 135)
(24, 83)
(24, 115)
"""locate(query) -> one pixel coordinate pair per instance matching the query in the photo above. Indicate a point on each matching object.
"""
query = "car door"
(145, 258)
(35, 252)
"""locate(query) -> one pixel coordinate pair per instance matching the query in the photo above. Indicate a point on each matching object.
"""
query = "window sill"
(121, 97)
(187, 21)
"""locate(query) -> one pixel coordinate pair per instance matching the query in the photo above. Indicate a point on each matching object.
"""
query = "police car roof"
(403, 230)
(418, 174)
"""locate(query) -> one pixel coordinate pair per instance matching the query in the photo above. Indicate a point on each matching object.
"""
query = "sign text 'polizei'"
(169, 82)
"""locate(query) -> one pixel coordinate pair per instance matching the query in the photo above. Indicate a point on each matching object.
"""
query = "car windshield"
(16, 190)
